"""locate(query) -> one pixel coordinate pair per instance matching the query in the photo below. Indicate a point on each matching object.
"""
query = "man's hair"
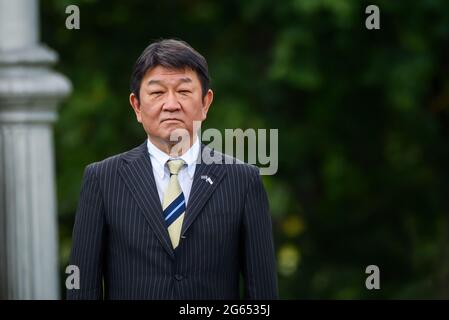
(170, 54)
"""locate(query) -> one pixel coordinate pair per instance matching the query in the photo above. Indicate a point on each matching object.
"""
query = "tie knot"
(175, 165)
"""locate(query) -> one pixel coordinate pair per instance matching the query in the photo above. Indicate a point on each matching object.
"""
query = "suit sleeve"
(88, 239)
(259, 263)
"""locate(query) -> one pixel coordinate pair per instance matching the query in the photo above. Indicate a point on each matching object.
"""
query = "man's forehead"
(161, 74)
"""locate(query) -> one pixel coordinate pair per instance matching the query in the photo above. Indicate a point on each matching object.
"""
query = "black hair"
(171, 54)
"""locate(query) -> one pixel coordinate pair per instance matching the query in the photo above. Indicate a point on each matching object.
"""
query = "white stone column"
(29, 94)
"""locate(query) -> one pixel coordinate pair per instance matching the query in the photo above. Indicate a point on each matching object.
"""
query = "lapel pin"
(207, 178)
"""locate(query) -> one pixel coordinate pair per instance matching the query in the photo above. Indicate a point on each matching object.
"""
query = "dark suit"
(122, 247)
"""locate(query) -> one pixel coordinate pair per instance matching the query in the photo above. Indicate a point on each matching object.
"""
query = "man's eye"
(184, 91)
(156, 93)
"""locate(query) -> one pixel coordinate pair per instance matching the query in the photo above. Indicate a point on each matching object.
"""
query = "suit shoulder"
(238, 166)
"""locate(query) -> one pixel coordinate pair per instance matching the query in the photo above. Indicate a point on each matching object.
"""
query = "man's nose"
(171, 103)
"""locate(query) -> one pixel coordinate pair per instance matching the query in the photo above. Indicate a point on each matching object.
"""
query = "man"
(163, 221)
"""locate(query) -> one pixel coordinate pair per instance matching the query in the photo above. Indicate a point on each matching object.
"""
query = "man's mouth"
(171, 119)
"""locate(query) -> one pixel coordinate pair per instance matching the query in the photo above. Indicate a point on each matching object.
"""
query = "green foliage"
(362, 115)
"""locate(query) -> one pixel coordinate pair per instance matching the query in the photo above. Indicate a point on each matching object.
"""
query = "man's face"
(169, 100)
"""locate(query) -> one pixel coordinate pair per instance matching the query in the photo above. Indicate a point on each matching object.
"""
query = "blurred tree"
(362, 115)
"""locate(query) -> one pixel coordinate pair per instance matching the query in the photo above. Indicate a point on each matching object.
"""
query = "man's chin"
(177, 135)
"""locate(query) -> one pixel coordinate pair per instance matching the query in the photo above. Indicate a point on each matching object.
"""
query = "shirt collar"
(160, 158)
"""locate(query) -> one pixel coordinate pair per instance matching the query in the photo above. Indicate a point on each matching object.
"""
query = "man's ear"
(134, 101)
(207, 101)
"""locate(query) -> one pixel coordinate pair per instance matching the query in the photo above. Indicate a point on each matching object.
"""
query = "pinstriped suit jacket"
(122, 247)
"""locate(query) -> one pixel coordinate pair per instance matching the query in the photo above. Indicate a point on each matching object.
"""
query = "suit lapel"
(201, 188)
(137, 173)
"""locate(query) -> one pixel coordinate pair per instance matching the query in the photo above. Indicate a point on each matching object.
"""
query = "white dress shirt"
(161, 173)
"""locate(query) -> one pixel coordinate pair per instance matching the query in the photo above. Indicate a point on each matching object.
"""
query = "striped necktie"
(174, 203)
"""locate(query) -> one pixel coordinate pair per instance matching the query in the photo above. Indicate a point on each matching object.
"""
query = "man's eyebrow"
(153, 82)
(181, 80)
